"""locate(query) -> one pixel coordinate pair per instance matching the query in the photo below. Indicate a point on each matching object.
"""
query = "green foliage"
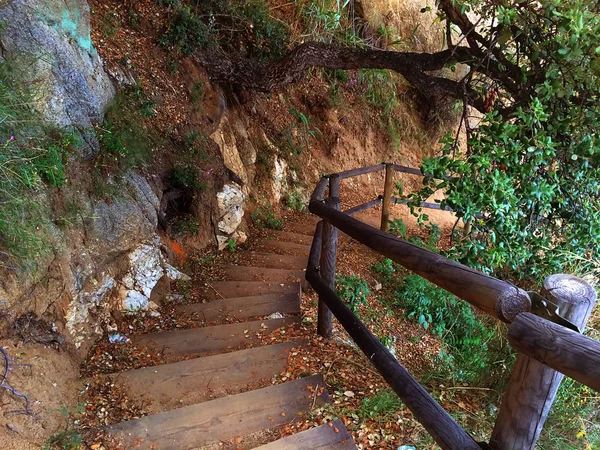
(185, 33)
(385, 269)
(329, 21)
(294, 200)
(381, 406)
(197, 92)
(574, 419)
(188, 223)
(33, 158)
(124, 141)
(530, 178)
(264, 216)
(478, 352)
(187, 178)
(398, 227)
(231, 245)
(64, 440)
(353, 290)
(267, 37)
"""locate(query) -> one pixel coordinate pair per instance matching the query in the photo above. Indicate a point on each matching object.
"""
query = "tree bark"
(413, 67)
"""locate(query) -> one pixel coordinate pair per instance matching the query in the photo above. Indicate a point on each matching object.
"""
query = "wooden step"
(275, 261)
(333, 436)
(245, 307)
(307, 229)
(290, 236)
(234, 289)
(253, 273)
(198, 380)
(285, 248)
(210, 340)
(224, 418)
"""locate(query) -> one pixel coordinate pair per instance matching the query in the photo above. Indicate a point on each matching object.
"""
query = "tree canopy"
(528, 179)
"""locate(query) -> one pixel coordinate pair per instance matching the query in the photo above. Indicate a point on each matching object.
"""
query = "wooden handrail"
(442, 427)
(361, 171)
(566, 351)
(497, 298)
(544, 347)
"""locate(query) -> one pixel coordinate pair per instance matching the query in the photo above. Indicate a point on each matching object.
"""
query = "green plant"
(381, 406)
(398, 227)
(64, 440)
(185, 33)
(33, 158)
(188, 223)
(384, 268)
(573, 422)
(231, 245)
(295, 200)
(187, 178)
(265, 216)
(478, 351)
(305, 130)
(353, 290)
(197, 92)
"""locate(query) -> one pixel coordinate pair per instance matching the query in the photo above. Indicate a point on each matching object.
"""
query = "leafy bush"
(265, 216)
(185, 33)
(124, 141)
(353, 290)
(187, 178)
(478, 351)
(187, 224)
(398, 227)
(295, 201)
(380, 406)
(384, 268)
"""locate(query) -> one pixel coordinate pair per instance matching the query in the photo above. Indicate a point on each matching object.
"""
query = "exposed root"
(4, 385)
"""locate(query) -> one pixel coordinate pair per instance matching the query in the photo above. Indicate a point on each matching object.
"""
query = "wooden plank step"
(275, 261)
(198, 380)
(289, 236)
(234, 289)
(307, 229)
(220, 338)
(245, 307)
(253, 273)
(333, 436)
(224, 418)
(285, 248)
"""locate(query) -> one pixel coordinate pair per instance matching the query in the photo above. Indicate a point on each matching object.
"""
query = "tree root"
(4, 385)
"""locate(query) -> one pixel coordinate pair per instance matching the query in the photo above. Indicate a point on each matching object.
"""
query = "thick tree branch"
(413, 66)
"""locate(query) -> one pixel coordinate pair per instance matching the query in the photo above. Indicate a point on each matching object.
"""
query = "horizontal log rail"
(555, 346)
(547, 350)
(442, 427)
(497, 298)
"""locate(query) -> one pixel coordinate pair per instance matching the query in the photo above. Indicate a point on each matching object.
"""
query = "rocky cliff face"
(49, 43)
(114, 258)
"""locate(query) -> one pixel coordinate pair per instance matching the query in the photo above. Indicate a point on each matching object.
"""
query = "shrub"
(265, 216)
(477, 351)
(398, 227)
(384, 268)
(186, 32)
(187, 178)
(353, 290)
(295, 201)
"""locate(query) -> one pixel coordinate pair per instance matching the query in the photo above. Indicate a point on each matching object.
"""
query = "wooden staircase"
(215, 390)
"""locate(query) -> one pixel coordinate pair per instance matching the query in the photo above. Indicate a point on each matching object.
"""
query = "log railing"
(546, 350)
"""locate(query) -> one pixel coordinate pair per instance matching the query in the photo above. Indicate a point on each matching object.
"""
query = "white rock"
(175, 274)
(231, 202)
(136, 301)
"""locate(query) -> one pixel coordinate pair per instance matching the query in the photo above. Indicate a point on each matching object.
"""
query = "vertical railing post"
(387, 195)
(328, 258)
(533, 386)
